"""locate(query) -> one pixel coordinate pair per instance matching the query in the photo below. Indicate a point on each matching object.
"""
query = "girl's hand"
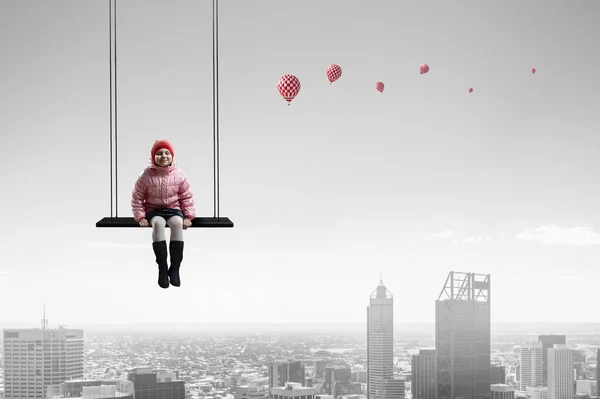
(186, 223)
(144, 223)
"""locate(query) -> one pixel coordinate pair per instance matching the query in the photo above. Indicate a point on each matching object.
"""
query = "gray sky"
(418, 181)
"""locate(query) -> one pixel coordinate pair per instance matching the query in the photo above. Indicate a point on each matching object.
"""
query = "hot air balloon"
(470, 90)
(424, 69)
(379, 86)
(288, 87)
(533, 71)
(333, 72)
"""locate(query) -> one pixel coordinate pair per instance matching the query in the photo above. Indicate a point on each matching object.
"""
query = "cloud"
(450, 235)
(476, 239)
(567, 278)
(3, 272)
(443, 234)
(553, 235)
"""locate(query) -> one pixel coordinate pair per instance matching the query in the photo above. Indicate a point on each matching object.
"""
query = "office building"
(293, 390)
(91, 389)
(502, 391)
(561, 378)
(380, 345)
(548, 341)
(423, 374)
(462, 337)
(37, 358)
(531, 362)
(156, 384)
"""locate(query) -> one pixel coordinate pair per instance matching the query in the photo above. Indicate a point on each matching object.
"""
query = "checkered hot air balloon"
(288, 87)
(533, 71)
(333, 72)
(424, 69)
(379, 86)
(470, 90)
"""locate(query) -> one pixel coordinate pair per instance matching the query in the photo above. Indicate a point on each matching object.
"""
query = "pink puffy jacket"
(162, 187)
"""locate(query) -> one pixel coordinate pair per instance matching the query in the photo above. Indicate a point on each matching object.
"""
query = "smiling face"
(163, 157)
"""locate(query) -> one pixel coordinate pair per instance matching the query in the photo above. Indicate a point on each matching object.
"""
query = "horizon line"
(295, 323)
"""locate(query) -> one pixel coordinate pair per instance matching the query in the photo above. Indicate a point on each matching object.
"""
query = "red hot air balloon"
(288, 87)
(333, 72)
(379, 86)
(470, 90)
(424, 69)
(533, 71)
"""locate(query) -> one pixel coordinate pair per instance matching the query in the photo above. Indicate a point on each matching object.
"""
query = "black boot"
(176, 250)
(160, 250)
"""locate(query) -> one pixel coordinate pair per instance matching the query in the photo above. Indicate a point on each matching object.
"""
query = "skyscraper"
(561, 379)
(423, 374)
(154, 384)
(548, 341)
(530, 360)
(286, 371)
(502, 391)
(598, 369)
(498, 374)
(36, 358)
(462, 337)
(380, 341)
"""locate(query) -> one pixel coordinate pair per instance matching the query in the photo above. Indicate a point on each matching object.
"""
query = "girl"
(162, 196)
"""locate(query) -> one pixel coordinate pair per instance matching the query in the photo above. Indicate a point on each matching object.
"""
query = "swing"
(114, 220)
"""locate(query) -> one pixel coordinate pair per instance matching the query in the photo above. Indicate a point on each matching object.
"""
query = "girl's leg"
(159, 244)
(176, 249)
(158, 224)
(176, 225)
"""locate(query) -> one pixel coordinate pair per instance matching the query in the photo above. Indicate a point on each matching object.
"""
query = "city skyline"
(416, 181)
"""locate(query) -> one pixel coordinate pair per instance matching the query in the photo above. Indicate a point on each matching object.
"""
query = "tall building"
(531, 361)
(338, 382)
(286, 371)
(36, 358)
(155, 384)
(586, 387)
(394, 388)
(380, 341)
(598, 370)
(502, 391)
(497, 374)
(320, 366)
(462, 337)
(91, 389)
(561, 379)
(548, 341)
(423, 374)
(296, 372)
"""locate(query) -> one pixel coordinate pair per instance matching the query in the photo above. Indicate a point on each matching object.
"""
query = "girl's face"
(163, 157)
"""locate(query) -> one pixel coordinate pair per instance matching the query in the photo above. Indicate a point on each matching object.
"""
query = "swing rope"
(116, 124)
(111, 102)
(215, 27)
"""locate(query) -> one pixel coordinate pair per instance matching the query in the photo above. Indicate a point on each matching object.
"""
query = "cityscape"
(462, 359)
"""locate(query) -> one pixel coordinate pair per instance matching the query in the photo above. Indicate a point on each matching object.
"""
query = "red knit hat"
(158, 144)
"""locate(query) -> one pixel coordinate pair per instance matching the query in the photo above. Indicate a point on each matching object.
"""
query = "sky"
(326, 193)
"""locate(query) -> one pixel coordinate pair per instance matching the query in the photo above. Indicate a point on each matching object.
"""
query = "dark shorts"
(166, 213)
